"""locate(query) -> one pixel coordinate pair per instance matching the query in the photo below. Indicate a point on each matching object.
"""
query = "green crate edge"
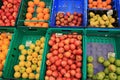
(9, 53)
(20, 12)
(12, 41)
(46, 51)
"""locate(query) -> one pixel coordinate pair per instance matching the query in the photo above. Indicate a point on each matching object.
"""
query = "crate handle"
(3, 29)
(104, 31)
(13, 55)
(67, 30)
(32, 29)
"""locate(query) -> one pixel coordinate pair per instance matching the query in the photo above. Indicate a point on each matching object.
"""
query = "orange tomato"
(90, 6)
(4, 35)
(2, 57)
(6, 41)
(1, 67)
(31, 24)
(90, 1)
(1, 37)
(45, 25)
(39, 10)
(30, 9)
(99, 6)
(94, 3)
(40, 16)
(108, 1)
(30, 4)
(36, 2)
(4, 47)
(47, 16)
(99, 1)
(46, 10)
(37, 25)
(5, 52)
(40, 23)
(28, 16)
(41, 4)
(94, 6)
(109, 7)
(104, 4)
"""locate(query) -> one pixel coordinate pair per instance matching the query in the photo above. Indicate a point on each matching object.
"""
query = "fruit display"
(68, 19)
(64, 60)
(102, 21)
(111, 69)
(37, 17)
(80, 34)
(5, 39)
(8, 12)
(100, 4)
(30, 61)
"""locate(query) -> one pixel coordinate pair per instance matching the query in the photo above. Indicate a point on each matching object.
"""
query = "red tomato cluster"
(8, 12)
(64, 61)
(68, 19)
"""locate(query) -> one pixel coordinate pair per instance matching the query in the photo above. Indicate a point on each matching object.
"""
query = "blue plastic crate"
(68, 6)
(113, 4)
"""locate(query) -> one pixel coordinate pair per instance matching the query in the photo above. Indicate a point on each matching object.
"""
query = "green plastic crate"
(23, 11)
(47, 47)
(8, 30)
(21, 36)
(110, 36)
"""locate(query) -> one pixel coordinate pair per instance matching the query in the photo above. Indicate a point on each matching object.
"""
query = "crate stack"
(60, 39)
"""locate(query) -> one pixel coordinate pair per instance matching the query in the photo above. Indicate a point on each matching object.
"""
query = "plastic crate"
(23, 11)
(101, 12)
(108, 41)
(68, 6)
(113, 4)
(47, 47)
(1, 3)
(21, 36)
(7, 30)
